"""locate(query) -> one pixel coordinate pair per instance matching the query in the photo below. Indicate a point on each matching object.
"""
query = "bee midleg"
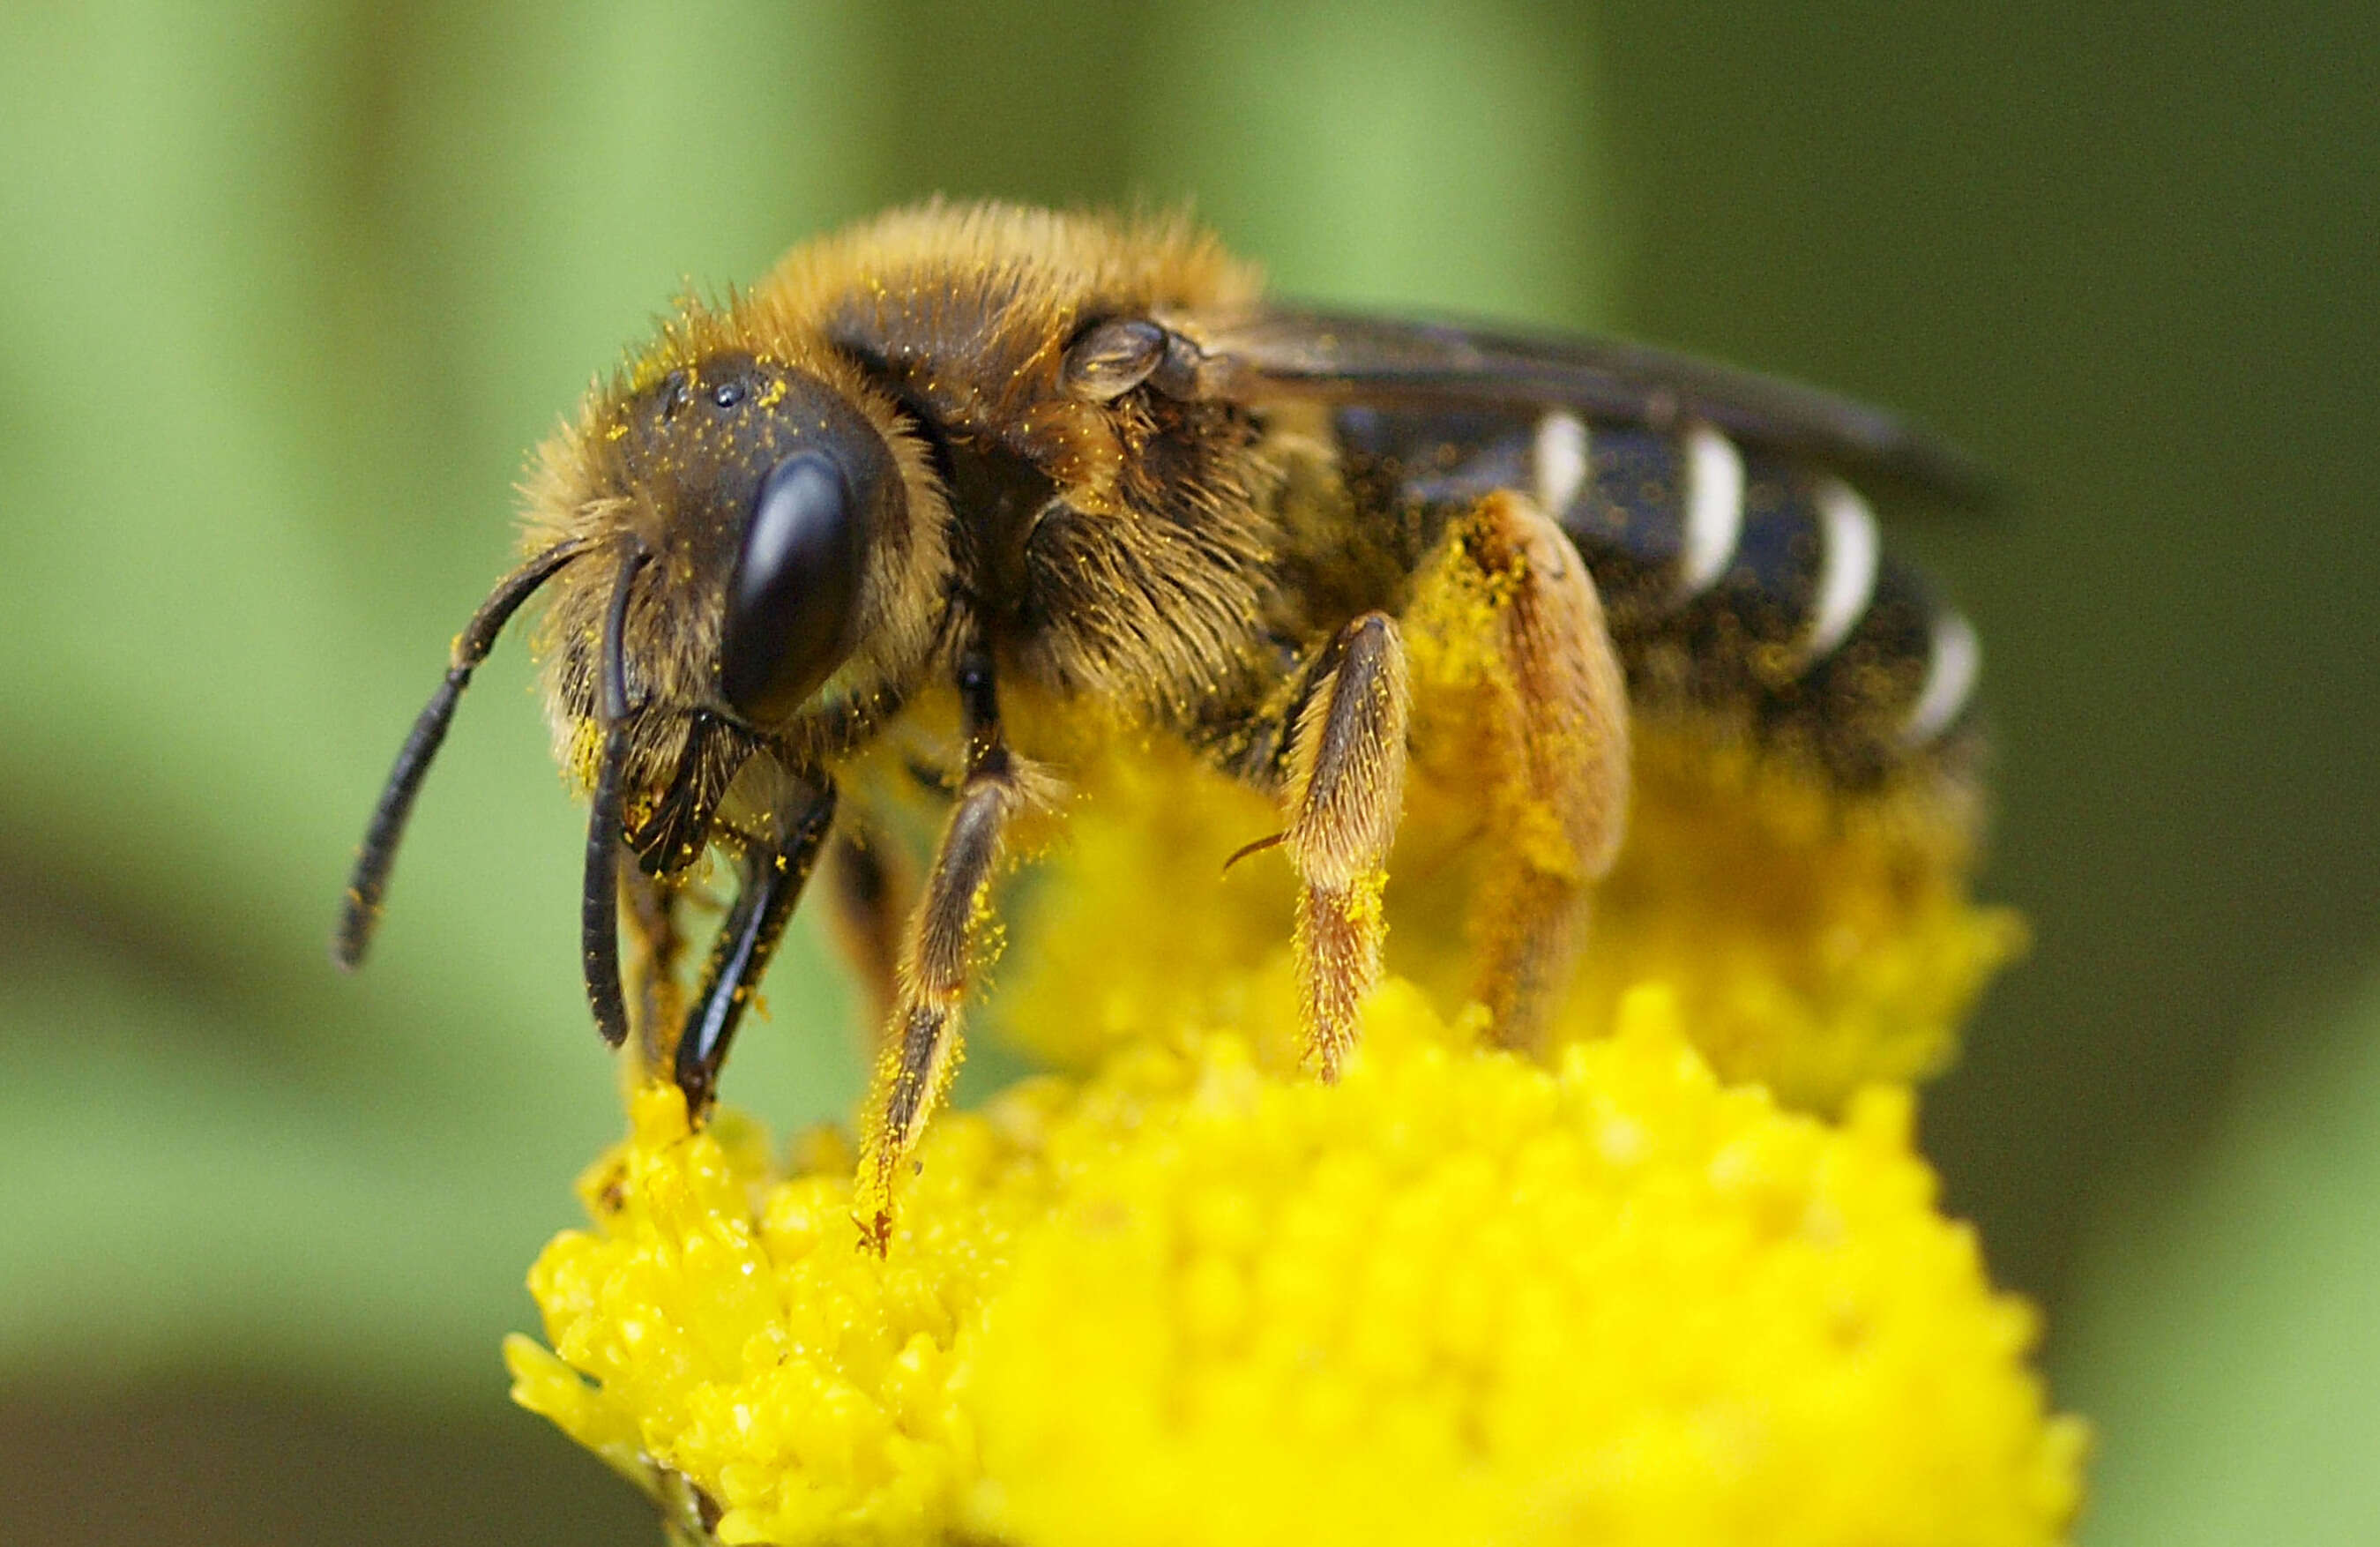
(1345, 793)
(773, 875)
(921, 1041)
(1548, 746)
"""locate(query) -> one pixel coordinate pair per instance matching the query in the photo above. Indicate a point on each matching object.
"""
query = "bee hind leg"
(1546, 746)
(1342, 797)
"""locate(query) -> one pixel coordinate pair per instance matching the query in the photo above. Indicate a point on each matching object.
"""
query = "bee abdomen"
(1735, 580)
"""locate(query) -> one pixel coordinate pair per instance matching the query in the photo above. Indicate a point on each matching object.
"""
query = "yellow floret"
(1184, 1299)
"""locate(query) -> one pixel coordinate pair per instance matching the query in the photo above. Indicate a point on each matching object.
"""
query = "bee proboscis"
(1006, 451)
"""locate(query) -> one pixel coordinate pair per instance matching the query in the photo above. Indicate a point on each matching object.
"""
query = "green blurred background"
(287, 291)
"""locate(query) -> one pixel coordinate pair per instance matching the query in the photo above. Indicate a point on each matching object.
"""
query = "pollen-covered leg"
(1517, 640)
(921, 1041)
(1345, 793)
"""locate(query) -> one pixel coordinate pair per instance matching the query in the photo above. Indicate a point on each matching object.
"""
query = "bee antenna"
(367, 883)
(599, 916)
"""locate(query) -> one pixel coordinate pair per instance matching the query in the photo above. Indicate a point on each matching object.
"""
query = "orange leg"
(921, 1044)
(1345, 793)
(1547, 744)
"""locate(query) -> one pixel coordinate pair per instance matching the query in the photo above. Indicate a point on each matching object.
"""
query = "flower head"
(1180, 1299)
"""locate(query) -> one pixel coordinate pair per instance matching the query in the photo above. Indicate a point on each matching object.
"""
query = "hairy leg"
(1545, 742)
(1343, 796)
(921, 1043)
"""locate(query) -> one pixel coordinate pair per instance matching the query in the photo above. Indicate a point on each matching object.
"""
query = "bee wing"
(1344, 357)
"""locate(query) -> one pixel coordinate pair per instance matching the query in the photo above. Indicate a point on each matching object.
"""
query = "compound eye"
(1109, 359)
(794, 598)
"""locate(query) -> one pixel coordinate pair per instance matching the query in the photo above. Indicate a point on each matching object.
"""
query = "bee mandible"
(1002, 451)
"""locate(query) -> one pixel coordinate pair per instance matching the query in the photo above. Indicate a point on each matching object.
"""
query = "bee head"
(776, 511)
(758, 558)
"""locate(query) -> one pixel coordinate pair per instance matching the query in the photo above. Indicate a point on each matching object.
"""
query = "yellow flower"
(1179, 1299)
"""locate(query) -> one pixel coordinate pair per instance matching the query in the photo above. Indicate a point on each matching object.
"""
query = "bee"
(989, 452)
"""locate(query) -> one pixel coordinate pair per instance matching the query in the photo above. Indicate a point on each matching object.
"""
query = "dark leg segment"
(921, 1049)
(773, 878)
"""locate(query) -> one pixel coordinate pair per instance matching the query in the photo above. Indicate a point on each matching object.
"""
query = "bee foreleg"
(774, 874)
(921, 1041)
(1545, 744)
(1345, 793)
